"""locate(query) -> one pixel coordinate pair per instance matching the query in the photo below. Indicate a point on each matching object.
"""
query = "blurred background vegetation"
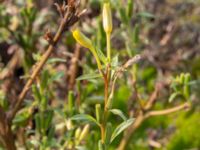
(165, 32)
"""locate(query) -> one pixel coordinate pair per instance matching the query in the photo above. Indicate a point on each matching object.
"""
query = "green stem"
(108, 47)
(96, 58)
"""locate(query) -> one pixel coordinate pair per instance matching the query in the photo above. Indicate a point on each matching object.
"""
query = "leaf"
(56, 76)
(130, 7)
(55, 60)
(146, 15)
(120, 128)
(102, 56)
(123, 15)
(89, 76)
(173, 96)
(119, 113)
(84, 117)
(136, 34)
(108, 133)
(115, 61)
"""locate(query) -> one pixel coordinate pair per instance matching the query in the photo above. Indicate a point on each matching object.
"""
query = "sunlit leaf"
(119, 113)
(120, 128)
(84, 117)
(89, 76)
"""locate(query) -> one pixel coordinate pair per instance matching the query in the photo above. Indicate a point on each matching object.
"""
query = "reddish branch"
(74, 68)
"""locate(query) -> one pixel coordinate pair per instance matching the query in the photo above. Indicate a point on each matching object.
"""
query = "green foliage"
(86, 100)
(185, 136)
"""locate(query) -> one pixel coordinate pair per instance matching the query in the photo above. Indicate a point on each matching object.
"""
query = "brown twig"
(153, 97)
(6, 135)
(143, 116)
(65, 21)
(167, 111)
(74, 67)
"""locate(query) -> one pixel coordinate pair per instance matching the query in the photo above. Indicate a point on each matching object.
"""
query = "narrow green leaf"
(36, 92)
(115, 61)
(56, 76)
(89, 76)
(120, 128)
(146, 15)
(98, 113)
(84, 117)
(48, 118)
(119, 113)
(186, 87)
(123, 15)
(38, 123)
(136, 34)
(55, 60)
(130, 7)
(70, 102)
(102, 56)
(44, 81)
(173, 96)
(108, 133)
(100, 145)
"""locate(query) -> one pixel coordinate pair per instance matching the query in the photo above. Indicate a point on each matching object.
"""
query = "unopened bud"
(98, 113)
(107, 18)
(77, 133)
(82, 39)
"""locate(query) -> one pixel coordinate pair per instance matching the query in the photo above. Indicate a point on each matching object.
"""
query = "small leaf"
(123, 15)
(101, 145)
(120, 128)
(173, 96)
(130, 7)
(84, 117)
(56, 76)
(101, 56)
(115, 61)
(119, 113)
(136, 33)
(89, 76)
(55, 60)
(36, 92)
(146, 15)
(108, 133)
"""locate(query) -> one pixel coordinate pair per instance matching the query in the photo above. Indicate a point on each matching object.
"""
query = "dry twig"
(70, 16)
(143, 115)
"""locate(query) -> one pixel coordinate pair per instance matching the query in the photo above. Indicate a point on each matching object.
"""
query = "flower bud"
(77, 133)
(84, 132)
(98, 113)
(107, 18)
(82, 39)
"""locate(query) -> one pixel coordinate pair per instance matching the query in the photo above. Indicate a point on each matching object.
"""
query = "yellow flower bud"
(107, 18)
(82, 39)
